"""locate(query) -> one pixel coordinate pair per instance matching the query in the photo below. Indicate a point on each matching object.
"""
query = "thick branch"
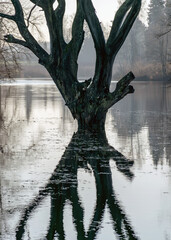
(122, 89)
(74, 46)
(54, 19)
(118, 20)
(122, 24)
(94, 25)
(59, 14)
(77, 31)
(98, 38)
(50, 19)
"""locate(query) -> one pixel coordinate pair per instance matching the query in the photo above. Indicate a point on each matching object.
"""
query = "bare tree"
(90, 100)
(11, 54)
(8, 52)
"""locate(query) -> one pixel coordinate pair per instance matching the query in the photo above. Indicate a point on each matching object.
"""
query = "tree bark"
(92, 122)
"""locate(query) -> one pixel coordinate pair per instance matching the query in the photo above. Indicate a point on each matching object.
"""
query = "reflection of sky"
(34, 146)
(153, 192)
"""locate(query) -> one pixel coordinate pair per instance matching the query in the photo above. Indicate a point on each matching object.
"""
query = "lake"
(57, 184)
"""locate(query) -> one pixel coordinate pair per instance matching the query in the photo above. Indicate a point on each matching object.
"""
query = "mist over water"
(53, 181)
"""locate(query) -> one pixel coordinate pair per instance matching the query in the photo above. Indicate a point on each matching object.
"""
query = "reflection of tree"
(93, 153)
(11, 110)
(28, 101)
(151, 112)
(4, 124)
(159, 127)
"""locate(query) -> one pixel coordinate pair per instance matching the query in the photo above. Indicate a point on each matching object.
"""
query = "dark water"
(55, 184)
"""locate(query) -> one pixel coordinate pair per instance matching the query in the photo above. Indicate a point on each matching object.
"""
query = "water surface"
(55, 184)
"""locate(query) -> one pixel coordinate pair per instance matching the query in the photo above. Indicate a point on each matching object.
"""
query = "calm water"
(55, 184)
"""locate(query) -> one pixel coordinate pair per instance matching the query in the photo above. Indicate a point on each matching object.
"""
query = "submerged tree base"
(90, 108)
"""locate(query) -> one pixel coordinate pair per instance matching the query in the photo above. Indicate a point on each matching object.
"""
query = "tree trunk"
(92, 122)
(90, 100)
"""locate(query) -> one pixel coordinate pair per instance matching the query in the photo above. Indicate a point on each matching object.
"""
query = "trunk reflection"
(92, 153)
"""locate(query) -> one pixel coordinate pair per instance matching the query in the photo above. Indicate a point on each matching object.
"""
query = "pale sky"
(106, 9)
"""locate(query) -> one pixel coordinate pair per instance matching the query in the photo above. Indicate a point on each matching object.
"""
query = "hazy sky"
(106, 9)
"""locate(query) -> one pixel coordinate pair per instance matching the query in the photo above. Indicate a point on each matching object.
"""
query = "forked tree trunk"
(88, 107)
(90, 100)
(90, 103)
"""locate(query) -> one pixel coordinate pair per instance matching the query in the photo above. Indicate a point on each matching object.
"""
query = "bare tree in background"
(10, 53)
(88, 101)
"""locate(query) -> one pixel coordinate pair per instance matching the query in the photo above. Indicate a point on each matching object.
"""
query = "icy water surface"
(56, 183)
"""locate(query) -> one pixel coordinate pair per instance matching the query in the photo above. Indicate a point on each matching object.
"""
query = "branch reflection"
(92, 153)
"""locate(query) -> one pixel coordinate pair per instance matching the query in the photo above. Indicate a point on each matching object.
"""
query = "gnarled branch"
(122, 24)
(122, 89)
